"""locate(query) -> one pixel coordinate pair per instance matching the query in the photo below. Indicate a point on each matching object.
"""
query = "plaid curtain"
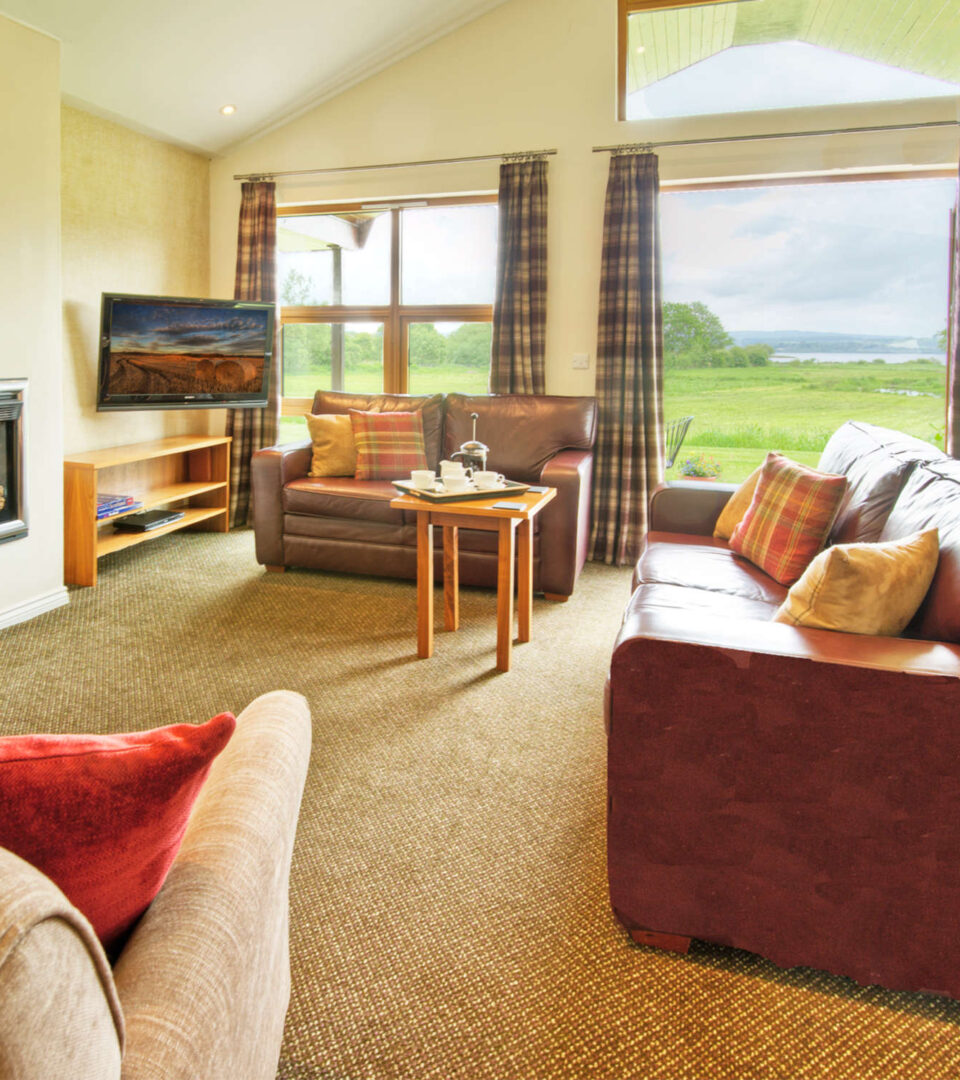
(629, 455)
(952, 440)
(520, 307)
(256, 280)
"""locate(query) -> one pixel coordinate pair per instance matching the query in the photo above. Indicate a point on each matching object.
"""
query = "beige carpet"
(449, 913)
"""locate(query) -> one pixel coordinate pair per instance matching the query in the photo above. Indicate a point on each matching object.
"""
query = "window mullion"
(394, 365)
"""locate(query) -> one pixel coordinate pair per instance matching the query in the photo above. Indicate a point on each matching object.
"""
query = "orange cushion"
(789, 517)
(864, 588)
(389, 444)
(334, 451)
(736, 506)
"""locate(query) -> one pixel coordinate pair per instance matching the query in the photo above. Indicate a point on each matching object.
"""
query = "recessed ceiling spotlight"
(228, 110)
(641, 48)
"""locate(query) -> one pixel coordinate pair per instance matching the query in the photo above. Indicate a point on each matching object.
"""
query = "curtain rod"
(395, 165)
(779, 135)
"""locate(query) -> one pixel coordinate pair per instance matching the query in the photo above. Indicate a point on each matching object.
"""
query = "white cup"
(456, 481)
(454, 468)
(486, 480)
(423, 478)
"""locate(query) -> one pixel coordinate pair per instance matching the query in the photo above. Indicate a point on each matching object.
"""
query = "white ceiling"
(167, 67)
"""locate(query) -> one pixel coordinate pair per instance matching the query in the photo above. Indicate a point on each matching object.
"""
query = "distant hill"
(807, 341)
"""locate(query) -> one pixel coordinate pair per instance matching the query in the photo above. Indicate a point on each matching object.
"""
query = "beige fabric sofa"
(200, 991)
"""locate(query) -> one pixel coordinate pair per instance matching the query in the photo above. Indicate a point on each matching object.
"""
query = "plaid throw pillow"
(389, 444)
(789, 517)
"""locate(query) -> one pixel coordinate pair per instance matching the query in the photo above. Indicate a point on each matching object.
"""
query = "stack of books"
(109, 505)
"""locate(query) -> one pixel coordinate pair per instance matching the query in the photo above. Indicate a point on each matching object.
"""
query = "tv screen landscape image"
(181, 353)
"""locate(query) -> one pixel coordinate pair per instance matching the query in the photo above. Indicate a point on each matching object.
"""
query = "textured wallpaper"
(135, 219)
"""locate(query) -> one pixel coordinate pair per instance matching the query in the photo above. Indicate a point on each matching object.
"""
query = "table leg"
(524, 579)
(451, 578)
(424, 586)
(505, 555)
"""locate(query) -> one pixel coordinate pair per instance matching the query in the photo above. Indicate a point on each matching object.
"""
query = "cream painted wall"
(31, 568)
(135, 220)
(534, 74)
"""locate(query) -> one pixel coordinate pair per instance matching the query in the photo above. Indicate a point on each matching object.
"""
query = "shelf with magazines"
(186, 473)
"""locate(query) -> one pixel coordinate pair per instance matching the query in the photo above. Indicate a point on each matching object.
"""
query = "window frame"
(395, 316)
(626, 8)
(892, 173)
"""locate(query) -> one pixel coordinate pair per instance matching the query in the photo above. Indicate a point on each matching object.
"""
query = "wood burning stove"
(13, 503)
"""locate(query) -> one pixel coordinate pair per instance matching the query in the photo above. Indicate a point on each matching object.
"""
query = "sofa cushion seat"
(344, 497)
(702, 563)
(727, 605)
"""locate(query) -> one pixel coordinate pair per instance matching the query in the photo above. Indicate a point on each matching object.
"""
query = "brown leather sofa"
(338, 523)
(792, 792)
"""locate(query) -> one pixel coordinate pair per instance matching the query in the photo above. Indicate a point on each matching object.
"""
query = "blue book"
(112, 511)
(104, 500)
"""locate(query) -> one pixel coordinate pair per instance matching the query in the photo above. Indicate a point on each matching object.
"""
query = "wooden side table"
(515, 540)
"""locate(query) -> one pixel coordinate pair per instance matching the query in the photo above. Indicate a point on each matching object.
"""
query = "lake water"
(852, 358)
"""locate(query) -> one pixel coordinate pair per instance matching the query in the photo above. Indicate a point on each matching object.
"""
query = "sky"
(857, 258)
(174, 328)
(780, 75)
(449, 256)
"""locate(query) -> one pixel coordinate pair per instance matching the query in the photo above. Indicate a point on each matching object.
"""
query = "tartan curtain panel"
(256, 280)
(952, 440)
(520, 306)
(628, 461)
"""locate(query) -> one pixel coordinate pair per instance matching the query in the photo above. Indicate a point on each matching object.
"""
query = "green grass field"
(741, 413)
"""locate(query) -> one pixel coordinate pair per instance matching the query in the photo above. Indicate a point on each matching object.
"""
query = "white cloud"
(853, 257)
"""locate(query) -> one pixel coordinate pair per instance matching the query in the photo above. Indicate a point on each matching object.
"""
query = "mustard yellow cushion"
(736, 506)
(864, 588)
(334, 451)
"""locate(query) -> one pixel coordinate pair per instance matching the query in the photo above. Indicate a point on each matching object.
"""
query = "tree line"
(694, 337)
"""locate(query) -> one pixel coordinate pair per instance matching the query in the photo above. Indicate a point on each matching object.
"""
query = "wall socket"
(581, 361)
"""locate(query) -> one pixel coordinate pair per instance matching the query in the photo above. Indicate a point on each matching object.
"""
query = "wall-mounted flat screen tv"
(165, 352)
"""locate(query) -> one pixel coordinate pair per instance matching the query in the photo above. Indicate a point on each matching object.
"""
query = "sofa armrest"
(565, 522)
(205, 979)
(688, 506)
(270, 469)
(59, 1012)
(790, 792)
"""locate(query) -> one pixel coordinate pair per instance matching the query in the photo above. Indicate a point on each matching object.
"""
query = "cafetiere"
(473, 454)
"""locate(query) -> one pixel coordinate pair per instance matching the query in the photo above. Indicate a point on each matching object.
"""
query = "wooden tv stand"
(186, 472)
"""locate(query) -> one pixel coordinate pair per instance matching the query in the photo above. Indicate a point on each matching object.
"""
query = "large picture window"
(789, 309)
(392, 298)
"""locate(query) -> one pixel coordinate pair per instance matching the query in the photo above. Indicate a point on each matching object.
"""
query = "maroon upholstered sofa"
(339, 523)
(792, 792)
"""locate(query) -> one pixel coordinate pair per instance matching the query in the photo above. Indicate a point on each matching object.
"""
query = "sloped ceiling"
(917, 35)
(167, 67)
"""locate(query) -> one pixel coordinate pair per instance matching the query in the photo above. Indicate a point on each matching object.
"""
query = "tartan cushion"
(789, 517)
(389, 444)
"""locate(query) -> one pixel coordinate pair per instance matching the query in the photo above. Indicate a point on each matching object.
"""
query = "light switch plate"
(581, 361)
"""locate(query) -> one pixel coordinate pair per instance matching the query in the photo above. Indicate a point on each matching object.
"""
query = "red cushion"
(789, 517)
(103, 815)
(389, 445)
